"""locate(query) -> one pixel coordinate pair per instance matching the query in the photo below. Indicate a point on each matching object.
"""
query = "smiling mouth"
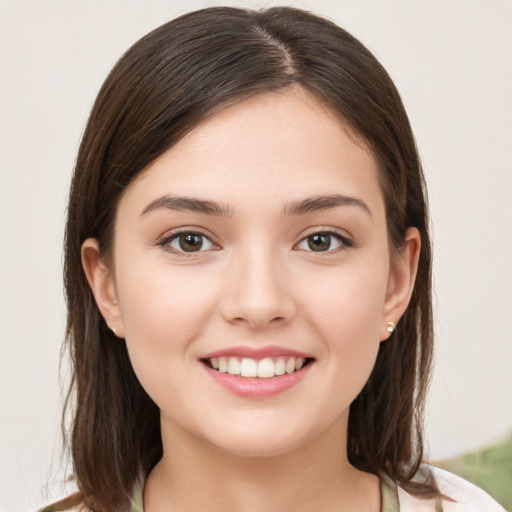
(265, 368)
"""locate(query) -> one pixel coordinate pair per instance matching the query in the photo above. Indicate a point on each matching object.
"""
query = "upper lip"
(256, 352)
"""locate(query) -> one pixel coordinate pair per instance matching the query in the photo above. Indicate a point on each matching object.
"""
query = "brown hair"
(165, 84)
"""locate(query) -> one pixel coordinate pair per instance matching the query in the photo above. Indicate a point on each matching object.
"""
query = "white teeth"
(223, 364)
(280, 368)
(290, 365)
(233, 366)
(249, 368)
(264, 369)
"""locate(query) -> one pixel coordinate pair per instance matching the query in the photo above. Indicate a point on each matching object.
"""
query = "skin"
(256, 282)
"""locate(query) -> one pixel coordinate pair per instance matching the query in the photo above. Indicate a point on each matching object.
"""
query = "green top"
(388, 496)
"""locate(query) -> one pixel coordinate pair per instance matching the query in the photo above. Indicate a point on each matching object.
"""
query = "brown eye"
(319, 242)
(189, 242)
(324, 241)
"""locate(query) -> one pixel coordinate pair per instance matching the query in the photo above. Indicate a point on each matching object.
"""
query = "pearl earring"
(390, 327)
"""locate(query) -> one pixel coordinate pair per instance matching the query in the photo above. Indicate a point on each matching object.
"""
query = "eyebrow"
(301, 207)
(319, 203)
(190, 204)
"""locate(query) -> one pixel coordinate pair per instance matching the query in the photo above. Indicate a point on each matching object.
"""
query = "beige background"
(451, 60)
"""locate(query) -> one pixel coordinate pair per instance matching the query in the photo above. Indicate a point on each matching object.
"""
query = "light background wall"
(451, 60)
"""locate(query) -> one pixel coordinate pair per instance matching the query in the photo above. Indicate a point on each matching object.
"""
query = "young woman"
(248, 278)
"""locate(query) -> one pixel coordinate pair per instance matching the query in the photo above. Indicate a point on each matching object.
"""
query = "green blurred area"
(489, 468)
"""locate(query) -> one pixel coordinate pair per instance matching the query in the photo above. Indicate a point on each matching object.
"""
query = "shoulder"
(466, 496)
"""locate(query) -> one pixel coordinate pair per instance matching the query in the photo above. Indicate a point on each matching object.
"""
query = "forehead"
(278, 145)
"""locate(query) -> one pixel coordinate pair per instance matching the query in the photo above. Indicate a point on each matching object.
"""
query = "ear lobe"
(102, 285)
(401, 281)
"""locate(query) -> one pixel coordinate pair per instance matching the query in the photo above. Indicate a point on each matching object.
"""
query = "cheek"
(350, 305)
(347, 316)
(154, 296)
(163, 312)
(162, 317)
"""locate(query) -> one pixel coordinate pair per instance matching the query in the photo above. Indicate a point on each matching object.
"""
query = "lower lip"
(254, 387)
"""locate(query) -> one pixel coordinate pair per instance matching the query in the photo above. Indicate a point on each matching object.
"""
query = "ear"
(102, 286)
(401, 281)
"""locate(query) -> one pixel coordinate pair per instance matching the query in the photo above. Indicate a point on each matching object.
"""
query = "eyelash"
(169, 238)
(339, 235)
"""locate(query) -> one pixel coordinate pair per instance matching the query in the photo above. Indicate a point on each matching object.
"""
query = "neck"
(194, 475)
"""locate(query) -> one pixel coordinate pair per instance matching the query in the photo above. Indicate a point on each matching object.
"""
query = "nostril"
(259, 322)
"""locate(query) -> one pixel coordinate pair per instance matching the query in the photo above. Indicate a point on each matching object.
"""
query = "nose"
(258, 291)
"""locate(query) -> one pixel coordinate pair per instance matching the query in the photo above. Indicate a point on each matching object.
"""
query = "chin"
(261, 449)
(262, 443)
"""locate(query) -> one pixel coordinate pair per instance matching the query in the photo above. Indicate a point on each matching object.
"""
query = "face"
(252, 273)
